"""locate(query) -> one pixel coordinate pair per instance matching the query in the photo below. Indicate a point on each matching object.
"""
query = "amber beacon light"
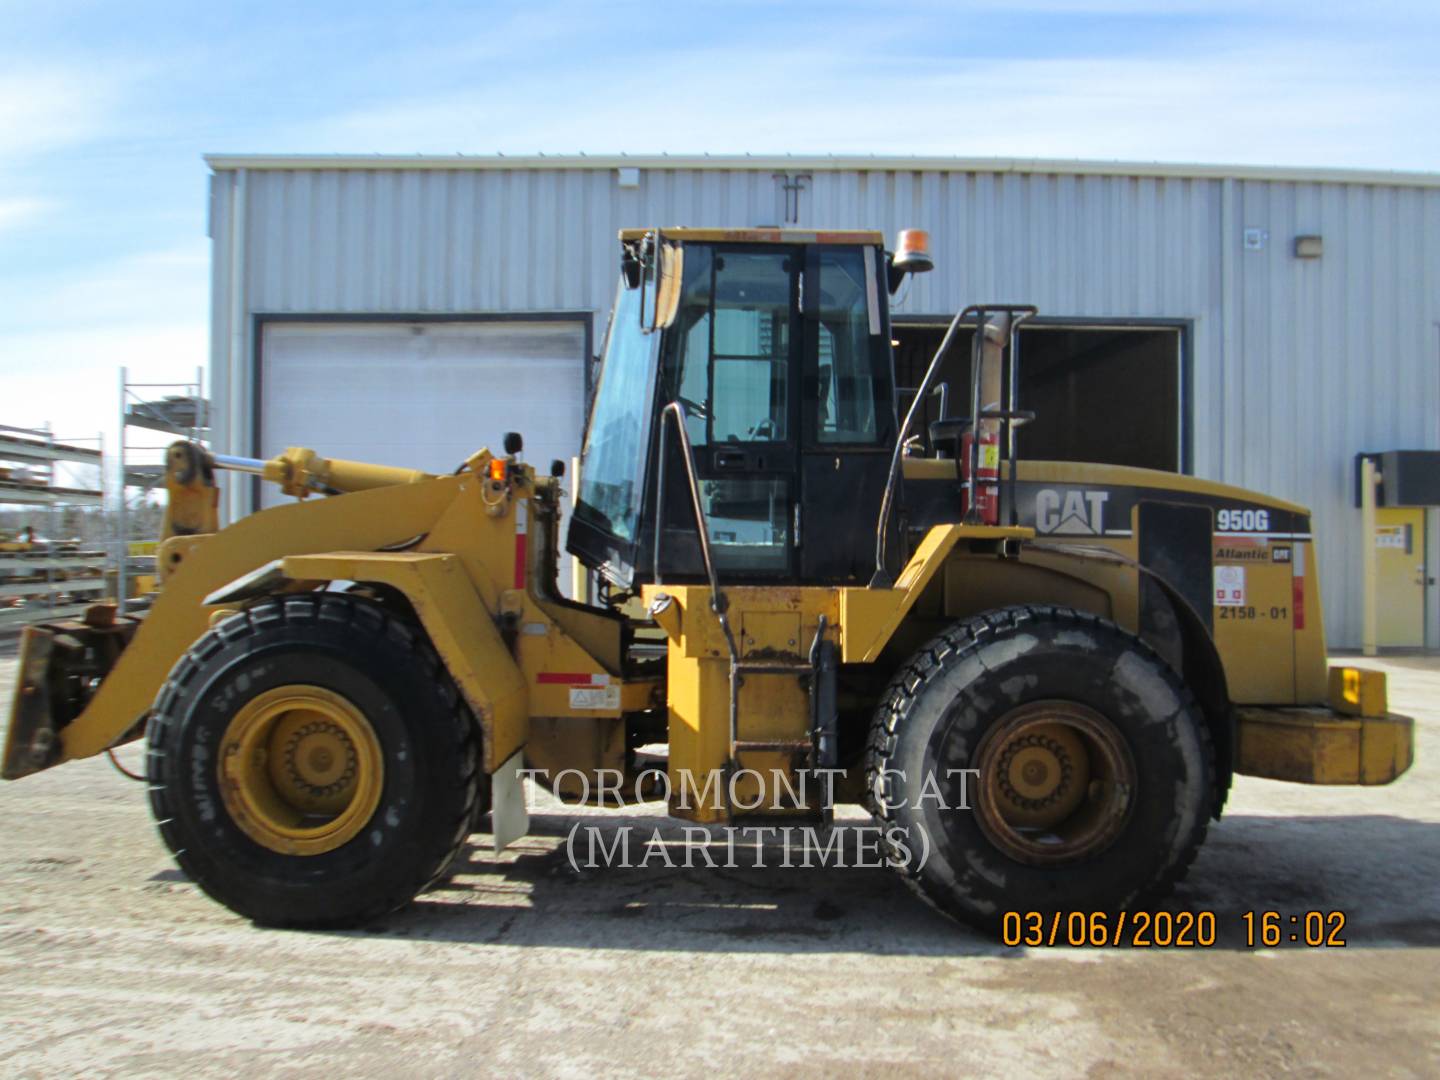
(912, 252)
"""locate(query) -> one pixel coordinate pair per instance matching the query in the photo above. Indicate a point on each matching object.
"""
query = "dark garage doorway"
(1109, 393)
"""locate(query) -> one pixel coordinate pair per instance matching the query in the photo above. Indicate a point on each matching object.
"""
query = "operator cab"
(774, 346)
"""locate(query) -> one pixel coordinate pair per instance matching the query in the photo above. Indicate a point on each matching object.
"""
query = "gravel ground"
(111, 963)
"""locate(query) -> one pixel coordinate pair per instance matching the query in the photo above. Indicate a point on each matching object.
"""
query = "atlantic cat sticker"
(1241, 549)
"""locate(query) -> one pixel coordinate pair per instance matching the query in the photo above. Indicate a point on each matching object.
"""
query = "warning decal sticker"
(1229, 586)
(595, 697)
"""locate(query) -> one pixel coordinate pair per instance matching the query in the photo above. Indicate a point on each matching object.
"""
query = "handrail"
(882, 579)
(718, 603)
(676, 410)
(1016, 314)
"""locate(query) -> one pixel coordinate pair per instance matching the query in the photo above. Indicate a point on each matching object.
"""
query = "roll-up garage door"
(421, 394)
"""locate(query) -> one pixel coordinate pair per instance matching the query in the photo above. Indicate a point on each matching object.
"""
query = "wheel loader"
(1039, 677)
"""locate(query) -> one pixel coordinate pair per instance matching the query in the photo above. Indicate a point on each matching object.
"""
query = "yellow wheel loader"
(1038, 676)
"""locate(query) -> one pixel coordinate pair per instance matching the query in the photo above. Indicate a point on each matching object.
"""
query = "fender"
(460, 627)
(1198, 661)
(869, 618)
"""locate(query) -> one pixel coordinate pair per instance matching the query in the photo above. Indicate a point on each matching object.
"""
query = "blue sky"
(106, 109)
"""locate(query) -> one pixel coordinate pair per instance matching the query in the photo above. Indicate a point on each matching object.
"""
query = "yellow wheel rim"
(300, 770)
(1057, 782)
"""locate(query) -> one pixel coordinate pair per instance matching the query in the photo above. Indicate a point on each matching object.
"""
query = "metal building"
(1255, 326)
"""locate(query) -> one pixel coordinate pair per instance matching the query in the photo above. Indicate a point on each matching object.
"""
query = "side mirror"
(513, 443)
(630, 268)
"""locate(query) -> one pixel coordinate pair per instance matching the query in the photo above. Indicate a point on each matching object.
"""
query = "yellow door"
(1400, 576)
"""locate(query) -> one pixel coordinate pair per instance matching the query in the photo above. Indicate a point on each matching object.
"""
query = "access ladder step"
(803, 746)
(774, 667)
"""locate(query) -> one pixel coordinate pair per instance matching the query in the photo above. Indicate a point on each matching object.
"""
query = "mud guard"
(459, 625)
(509, 816)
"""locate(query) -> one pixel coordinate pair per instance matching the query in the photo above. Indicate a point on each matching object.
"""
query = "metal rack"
(176, 409)
(47, 577)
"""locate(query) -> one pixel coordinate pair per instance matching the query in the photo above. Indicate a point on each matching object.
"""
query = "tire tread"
(958, 642)
(361, 615)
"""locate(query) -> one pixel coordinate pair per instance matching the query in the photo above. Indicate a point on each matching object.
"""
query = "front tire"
(311, 763)
(1039, 759)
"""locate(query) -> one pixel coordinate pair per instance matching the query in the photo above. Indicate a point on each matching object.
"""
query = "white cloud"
(46, 107)
(16, 212)
(63, 340)
(1246, 106)
(1259, 103)
(147, 288)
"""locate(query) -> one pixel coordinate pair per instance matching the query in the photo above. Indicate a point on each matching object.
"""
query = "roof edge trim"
(745, 162)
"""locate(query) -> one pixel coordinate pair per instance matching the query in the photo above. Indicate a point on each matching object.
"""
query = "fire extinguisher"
(987, 475)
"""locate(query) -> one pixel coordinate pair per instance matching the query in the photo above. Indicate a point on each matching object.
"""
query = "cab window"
(730, 359)
(853, 386)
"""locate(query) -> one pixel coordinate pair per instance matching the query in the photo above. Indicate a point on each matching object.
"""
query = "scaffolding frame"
(150, 407)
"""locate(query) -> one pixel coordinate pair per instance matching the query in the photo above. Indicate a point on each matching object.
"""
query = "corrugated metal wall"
(1297, 363)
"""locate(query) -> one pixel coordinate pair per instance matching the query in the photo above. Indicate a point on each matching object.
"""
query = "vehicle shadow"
(713, 896)
(1379, 871)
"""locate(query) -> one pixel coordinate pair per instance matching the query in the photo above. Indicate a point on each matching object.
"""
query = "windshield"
(612, 471)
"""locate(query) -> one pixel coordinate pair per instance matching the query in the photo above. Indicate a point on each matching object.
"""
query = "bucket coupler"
(61, 665)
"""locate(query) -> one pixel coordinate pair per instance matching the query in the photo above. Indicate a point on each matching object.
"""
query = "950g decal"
(1242, 521)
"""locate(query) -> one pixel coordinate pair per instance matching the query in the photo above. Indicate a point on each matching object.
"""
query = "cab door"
(731, 360)
(848, 414)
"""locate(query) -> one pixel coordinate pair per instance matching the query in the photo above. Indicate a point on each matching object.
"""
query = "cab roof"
(763, 236)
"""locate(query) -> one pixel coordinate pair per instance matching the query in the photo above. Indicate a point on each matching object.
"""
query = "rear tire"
(1092, 777)
(311, 762)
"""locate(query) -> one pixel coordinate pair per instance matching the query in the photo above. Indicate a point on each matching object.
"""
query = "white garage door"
(421, 395)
